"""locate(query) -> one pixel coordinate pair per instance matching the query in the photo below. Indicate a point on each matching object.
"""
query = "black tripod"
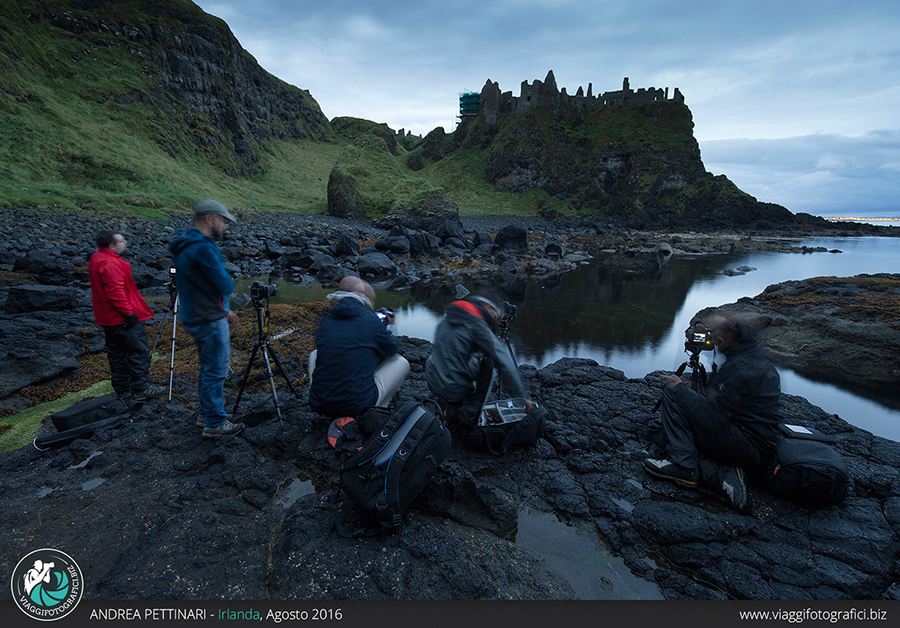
(262, 342)
(171, 307)
(698, 371)
(503, 334)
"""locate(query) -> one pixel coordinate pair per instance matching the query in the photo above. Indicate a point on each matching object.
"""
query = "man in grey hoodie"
(466, 350)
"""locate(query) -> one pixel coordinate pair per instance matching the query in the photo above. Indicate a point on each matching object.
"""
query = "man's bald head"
(355, 284)
(351, 283)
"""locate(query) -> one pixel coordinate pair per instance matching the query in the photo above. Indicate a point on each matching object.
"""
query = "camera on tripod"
(509, 315)
(699, 338)
(260, 291)
(171, 284)
(384, 313)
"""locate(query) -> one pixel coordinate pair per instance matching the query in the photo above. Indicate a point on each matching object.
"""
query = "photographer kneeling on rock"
(356, 363)
(461, 364)
(709, 438)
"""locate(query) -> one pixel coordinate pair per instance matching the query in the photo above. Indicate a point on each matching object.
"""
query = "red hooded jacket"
(113, 290)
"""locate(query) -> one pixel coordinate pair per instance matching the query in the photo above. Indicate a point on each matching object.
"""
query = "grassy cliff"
(143, 106)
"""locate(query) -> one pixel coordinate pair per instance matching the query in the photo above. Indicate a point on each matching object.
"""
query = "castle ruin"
(491, 102)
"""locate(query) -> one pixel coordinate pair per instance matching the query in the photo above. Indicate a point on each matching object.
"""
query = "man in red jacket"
(121, 311)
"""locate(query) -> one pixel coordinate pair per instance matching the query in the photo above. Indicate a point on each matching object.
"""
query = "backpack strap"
(388, 504)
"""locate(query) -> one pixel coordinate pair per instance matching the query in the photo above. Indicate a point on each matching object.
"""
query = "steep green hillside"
(95, 111)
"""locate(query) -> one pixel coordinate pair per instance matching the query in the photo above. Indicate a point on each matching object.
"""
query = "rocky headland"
(149, 509)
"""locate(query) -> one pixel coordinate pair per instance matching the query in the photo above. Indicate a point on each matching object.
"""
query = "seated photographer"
(356, 364)
(709, 439)
(466, 350)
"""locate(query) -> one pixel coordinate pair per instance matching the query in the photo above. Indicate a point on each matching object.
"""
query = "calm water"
(636, 324)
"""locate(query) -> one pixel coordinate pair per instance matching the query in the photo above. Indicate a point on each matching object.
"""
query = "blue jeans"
(214, 346)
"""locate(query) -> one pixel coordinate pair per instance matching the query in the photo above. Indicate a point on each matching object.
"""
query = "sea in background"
(636, 323)
(883, 222)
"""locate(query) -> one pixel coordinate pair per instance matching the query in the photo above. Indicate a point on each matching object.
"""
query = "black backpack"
(505, 424)
(806, 469)
(396, 462)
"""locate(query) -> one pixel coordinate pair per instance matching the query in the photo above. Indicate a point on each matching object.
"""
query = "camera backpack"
(806, 469)
(396, 462)
(505, 424)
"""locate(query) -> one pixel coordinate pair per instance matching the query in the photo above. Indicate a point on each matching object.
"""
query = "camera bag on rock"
(395, 464)
(88, 411)
(505, 424)
(807, 470)
(82, 419)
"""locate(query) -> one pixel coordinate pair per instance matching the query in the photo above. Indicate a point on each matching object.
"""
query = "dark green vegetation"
(147, 105)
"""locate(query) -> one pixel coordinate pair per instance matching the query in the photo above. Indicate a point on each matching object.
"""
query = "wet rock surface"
(149, 509)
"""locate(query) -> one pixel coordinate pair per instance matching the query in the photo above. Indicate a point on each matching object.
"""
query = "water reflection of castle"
(491, 102)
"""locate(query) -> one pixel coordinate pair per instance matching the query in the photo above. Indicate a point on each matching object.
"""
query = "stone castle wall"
(493, 102)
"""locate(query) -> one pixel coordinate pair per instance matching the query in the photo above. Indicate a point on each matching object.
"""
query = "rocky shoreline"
(150, 510)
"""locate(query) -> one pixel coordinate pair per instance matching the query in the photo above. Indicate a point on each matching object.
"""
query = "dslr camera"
(699, 338)
(509, 315)
(260, 291)
(171, 284)
(383, 314)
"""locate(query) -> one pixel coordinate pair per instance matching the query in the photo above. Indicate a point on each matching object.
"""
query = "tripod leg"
(266, 350)
(172, 355)
(281, 370)
(162, 324)
(244, 379)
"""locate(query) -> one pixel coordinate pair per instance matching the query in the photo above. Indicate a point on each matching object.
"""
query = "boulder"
(376, 265)
(346, 246)
(512, 237)
(32, 298)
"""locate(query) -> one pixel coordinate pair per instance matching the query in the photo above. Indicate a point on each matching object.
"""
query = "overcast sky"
(796, 101)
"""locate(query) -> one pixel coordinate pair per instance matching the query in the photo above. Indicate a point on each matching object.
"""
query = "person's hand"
(231, 317)
(529, 404)
(389, 319)
(671, 380)
(131, 320)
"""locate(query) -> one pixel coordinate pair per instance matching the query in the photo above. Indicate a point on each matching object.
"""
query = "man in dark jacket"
(121, 311)
(709, 439)
(356, 364)
(466, 350)
(203, 289)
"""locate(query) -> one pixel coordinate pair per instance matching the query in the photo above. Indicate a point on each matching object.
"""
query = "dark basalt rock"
(30, 298)
(173, 502)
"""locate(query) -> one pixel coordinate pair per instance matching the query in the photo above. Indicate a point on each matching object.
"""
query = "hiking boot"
(226, 429)
(666, 470)
(734, 489)
(199, 423)
(150, 392)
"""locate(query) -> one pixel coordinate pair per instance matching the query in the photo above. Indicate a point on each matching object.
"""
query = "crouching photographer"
(466, 350)
(711, 435)
(356, 363)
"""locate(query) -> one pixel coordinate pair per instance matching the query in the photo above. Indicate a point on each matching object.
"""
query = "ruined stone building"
(491, 102)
